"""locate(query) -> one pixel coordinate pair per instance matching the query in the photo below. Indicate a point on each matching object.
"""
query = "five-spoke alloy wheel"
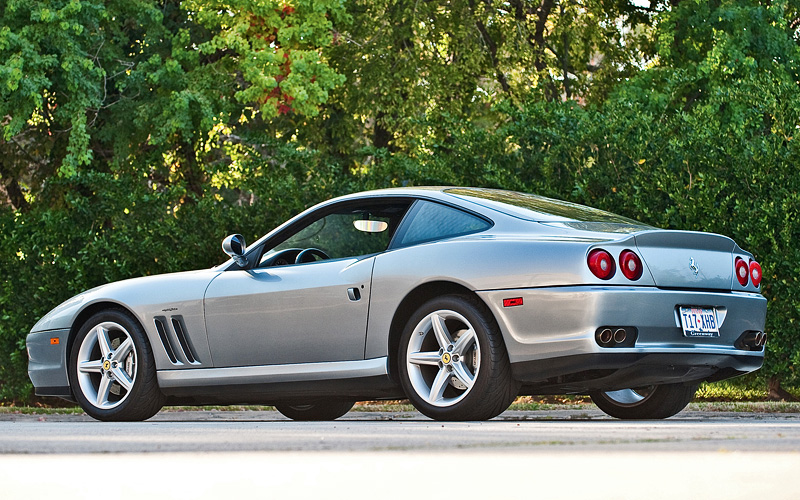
(316, 410)
(452, 361)
(645, 403)
(112, 371)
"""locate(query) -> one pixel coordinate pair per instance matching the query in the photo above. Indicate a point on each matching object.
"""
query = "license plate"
(699, 322)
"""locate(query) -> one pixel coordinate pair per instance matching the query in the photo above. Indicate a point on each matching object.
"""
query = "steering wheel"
(308, 254)
(280, 258)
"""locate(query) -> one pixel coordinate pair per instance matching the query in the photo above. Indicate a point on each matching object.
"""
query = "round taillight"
(601, 263)
(630, 264)
(755, 273)
(741, 271)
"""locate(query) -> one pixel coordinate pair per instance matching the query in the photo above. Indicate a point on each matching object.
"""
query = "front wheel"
(645, 403)
(453, 363)
(317, 410)
(111, 369)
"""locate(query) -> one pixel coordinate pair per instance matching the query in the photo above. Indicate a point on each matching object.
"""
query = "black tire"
(316, 410)
(647, 403)
(471, 378)
(99, 388)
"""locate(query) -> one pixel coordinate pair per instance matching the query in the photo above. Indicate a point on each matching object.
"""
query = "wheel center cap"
(106, 365)
(446, 358)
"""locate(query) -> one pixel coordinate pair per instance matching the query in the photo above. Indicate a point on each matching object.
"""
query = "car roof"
(524, 206)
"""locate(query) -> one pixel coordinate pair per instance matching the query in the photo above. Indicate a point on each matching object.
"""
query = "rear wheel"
(111, 369)
(453, 363)
(645, 403)
(317, 410)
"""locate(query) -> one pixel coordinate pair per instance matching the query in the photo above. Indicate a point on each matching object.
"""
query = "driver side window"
(349, 232)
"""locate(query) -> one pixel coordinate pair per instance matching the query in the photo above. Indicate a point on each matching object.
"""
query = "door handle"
(354, 294)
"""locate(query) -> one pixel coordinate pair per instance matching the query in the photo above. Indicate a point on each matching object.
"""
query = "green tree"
(703, 139)
(125, 122)
(137, 134)
(418, 70)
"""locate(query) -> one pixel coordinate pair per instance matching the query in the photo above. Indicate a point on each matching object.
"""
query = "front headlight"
(50, 321)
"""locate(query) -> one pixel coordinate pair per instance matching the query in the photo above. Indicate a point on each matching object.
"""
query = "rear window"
(430, 221)
(538, 208)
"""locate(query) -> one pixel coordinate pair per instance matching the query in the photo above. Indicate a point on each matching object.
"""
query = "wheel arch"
(90, 311)
(411, 302)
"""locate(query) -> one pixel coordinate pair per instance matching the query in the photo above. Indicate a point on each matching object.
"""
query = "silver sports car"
(458, 299)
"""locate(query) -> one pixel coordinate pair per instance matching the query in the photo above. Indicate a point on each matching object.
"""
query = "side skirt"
(356, 380)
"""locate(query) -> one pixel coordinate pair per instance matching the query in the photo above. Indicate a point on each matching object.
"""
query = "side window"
(351, 231)
(432, 221)
(337, 236)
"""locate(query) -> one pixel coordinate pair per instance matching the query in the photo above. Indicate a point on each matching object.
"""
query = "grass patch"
(745, 406)
(401, 405)
(724, 396)
(219, 408)
(39, 410)
(523, 403)
(728, 392)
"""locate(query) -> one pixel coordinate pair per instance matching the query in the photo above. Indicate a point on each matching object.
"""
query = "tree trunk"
(382, 137)
(12, 190)
(778, 393)
(491, 46)
(536, 38)
(192, 174)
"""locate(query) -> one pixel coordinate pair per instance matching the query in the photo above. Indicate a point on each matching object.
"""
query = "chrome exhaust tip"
(609, 336)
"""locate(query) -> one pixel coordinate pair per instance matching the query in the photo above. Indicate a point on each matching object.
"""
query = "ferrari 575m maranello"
(458, 299)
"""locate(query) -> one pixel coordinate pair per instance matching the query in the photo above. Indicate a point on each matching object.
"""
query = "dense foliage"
(137, 134)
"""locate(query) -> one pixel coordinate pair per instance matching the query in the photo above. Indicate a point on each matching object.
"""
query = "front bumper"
(47, 362)
(551, 337)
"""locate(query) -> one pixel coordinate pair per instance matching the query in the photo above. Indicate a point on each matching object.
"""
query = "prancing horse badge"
(694, 267)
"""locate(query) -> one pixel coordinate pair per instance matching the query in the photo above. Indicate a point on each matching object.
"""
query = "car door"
(289, 314)
(307, 299)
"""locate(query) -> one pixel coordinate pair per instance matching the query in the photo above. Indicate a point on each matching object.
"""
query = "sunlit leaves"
(277, 48)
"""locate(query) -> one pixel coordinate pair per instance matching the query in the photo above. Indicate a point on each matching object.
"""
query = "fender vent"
(175, 340)
(162, 334)
(177, 324)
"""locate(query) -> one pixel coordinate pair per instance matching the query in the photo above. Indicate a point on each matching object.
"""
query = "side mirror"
(234, 246)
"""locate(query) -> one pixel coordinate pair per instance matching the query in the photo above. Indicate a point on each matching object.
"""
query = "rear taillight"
(755, 273)
(630, 264)
(741, 271)
(601, 263)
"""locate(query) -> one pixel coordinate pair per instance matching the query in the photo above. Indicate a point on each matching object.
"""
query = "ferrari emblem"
(106, 365)
(693, 266)
(446, 358)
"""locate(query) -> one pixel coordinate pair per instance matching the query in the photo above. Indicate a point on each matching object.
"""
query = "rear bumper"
(551, 337)
(612, 371)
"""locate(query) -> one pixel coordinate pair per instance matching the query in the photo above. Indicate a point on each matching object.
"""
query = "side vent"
(177, 324)
(174, 338)
(162, 334)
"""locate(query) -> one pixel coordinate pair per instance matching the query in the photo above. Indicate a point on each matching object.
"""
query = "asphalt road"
(545, 454)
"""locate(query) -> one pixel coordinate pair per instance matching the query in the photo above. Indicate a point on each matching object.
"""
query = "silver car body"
(230, 335)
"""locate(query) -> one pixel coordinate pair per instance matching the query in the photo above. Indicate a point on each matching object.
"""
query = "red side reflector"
(54, 341)
(517, 301)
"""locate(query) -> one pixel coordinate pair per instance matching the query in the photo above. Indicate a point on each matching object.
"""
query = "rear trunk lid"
(684, 259)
